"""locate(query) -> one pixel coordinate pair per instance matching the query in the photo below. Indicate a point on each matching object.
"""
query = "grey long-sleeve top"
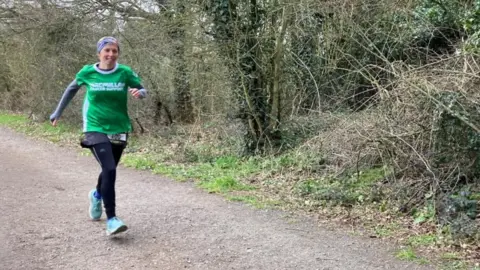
(72, 90)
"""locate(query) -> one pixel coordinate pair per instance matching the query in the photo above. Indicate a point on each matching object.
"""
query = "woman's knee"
(109, 169)
(109, 172)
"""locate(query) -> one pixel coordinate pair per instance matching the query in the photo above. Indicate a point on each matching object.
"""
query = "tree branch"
(131, 10)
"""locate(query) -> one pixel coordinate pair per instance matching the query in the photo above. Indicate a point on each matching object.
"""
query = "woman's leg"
(105, 156)
(117, 151)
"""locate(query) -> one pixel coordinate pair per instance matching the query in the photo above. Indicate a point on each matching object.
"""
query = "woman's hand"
(135, 92)
(53, 120)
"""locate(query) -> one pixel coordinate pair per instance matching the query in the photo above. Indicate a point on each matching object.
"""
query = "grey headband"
(106, 40)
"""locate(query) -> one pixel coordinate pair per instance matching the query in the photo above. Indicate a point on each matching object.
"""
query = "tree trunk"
(183, 95)
(259, 94)
(254, 96)
(183, 99)
(276, 90)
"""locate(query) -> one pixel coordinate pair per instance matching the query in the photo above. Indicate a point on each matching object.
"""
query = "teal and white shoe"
(95, 209)
(115, 225)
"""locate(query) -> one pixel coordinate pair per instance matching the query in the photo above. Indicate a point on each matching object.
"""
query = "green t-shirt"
(105, 104)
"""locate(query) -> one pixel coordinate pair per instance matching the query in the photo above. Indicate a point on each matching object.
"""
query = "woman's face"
(109, 54)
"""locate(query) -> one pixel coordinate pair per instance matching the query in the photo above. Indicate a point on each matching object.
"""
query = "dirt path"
(44, 223)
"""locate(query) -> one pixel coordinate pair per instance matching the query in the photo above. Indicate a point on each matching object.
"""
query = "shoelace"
(114, 222)
(97, 205)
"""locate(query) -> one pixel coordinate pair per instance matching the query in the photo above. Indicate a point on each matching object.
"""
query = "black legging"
(108, 155)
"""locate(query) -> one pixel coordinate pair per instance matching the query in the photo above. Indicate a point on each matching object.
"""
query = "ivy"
(447, 16)
(223, 15)
(455, 140)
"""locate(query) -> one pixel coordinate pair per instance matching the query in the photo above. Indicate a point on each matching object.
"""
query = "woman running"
(106, 123)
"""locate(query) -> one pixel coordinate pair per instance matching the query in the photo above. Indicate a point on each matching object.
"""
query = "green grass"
(246, 199)
(422, 240)
(255, 201)
(408, 254)
(354, 188)
(414, 242)
(450, 256)
(223, 184)
(60, 133)
(220, 176)
(137, 161)
(12, 120)
(386, 230)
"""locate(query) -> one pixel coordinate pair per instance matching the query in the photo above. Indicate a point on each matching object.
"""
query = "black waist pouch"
(92, 138)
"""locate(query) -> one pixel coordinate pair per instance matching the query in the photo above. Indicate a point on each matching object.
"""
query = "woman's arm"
(67, 96)
(138, 91)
